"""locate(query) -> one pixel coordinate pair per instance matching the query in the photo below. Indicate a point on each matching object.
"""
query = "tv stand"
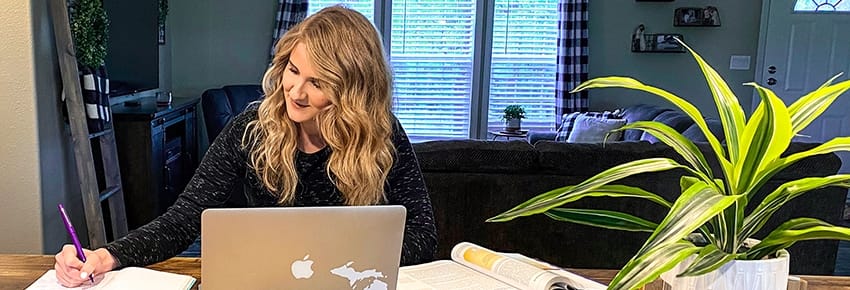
(157, 153)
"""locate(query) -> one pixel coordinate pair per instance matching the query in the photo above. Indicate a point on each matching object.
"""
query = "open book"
(475, 267)
(128, 278)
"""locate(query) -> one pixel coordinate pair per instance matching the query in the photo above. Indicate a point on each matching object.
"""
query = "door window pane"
(822, 6)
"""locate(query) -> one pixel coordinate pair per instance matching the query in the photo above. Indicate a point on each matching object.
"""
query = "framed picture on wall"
(666, 42)
(696, 16)
(710, 16)
(688, 16)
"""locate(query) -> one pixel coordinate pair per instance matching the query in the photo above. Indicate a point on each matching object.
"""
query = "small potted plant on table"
(513, 115)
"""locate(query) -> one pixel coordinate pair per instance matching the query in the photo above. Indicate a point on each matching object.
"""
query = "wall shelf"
(657, 43)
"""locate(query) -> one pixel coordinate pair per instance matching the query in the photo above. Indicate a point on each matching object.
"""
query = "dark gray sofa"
(470, 181)
(645, 112)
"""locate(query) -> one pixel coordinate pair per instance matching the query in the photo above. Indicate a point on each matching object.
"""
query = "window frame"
(482, 62)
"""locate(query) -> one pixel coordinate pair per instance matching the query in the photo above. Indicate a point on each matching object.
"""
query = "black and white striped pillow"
(568, 121)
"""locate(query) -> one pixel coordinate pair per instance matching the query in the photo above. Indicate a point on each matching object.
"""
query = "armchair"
(221, 105)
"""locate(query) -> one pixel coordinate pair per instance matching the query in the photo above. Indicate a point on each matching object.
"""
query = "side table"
(508, 135)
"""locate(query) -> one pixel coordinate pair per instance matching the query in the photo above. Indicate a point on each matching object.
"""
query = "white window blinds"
(431, 50)
(431, 54)
(523, 62)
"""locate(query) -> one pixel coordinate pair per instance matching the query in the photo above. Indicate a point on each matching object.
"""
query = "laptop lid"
(346, 247)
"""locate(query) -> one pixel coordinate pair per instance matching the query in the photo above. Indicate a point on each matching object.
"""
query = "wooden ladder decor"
(93, 196)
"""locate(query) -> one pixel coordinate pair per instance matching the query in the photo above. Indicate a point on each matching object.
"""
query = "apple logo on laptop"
(302, 269)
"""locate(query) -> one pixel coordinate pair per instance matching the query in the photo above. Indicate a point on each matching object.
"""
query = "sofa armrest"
(533, 136)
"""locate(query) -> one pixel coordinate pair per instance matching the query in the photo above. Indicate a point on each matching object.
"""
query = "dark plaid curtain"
(572, 56)
(289, 13)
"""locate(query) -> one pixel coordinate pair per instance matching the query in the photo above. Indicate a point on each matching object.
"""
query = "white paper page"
(508, 270)
(127, 278)
(575, 280)
(440, 275)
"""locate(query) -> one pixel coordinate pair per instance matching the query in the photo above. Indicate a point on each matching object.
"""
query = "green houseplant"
(712, 204)
(89, 28)
(513, 115)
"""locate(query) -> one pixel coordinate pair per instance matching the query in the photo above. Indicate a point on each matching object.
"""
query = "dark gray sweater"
(225, 179)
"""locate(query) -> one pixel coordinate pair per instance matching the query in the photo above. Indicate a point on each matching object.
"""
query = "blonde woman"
(324, 135)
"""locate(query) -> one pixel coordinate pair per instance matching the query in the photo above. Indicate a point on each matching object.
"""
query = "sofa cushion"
(695, 134)
(675, 119)
(640, 112)
(476, 156)
(568, 121)
(594, 130)
(566, 127)
(587, 159)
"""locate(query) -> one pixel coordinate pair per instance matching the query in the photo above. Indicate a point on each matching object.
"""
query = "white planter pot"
(513, 124)
(768, 274)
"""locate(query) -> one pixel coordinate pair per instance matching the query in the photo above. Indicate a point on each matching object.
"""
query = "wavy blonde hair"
(354, 75)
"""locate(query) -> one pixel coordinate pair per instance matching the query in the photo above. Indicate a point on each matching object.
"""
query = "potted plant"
(513, 115)
(712, 204)
(89, 30)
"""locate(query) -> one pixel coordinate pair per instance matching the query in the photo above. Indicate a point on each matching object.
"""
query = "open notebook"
(128, 278)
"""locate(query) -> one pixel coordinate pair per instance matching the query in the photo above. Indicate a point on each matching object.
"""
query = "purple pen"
(70, 228)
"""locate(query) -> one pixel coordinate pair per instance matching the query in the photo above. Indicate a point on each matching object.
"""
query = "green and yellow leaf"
(692, 209)
(643, 269)
(684, 146)
(592, 187)
(812, 105)
(731, 113)
(603, 219)
(785, 193)
(793, 231)
(685, 106)
(765, 138)
(835, 145)
(710, 258)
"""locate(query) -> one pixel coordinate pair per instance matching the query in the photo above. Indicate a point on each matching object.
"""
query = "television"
(132, 53)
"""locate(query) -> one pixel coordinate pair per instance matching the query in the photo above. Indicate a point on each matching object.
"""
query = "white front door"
(801, 50)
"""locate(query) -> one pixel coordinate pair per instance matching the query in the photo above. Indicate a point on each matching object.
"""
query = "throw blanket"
(95, 89)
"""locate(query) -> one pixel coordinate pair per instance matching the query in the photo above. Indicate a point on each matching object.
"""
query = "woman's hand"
(71, 272)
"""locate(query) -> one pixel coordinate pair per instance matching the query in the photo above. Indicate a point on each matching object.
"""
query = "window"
(366, 7)
(449, 86)
(822, 6)
(524, 62)
(431, 50)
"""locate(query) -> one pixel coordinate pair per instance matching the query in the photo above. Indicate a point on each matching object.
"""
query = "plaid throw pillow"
(568, 121)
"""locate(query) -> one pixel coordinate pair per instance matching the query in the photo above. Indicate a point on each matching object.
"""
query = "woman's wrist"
(107, 261)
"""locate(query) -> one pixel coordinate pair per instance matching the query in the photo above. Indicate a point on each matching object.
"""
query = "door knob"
(771, 69)
(771, 81)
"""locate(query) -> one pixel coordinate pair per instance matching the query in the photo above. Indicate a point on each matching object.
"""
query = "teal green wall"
(218, 42)
(612, 23)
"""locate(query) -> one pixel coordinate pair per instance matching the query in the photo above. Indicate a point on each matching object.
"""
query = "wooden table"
(19, 271)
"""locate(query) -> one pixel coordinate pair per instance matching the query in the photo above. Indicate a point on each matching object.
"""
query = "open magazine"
(475, 267)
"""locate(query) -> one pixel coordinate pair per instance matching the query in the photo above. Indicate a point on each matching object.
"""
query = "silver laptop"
(350, 247)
